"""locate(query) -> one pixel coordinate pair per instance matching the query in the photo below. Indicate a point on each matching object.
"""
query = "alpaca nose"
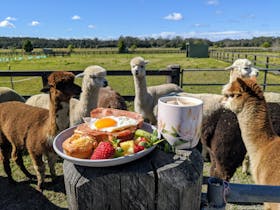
(105, 83)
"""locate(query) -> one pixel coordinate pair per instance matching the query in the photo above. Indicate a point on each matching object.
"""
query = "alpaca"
(146, 98)
(222, 137)
(246, 99)
(109, 98)
(93, 79)
(7, 94)
(26, 127)
(242, 68)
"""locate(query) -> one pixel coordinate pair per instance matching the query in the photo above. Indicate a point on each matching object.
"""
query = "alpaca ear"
(242, 83)
(45, 89)
(230, 67)
(146, 61)
(81, 75)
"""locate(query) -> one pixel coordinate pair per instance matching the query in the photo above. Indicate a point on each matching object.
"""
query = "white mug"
(180, 120)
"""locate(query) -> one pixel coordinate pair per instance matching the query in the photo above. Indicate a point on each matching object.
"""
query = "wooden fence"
(264, 84)
(172, 74)
(261, 60)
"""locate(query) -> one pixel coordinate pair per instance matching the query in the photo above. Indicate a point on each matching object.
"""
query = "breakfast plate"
(62, 136)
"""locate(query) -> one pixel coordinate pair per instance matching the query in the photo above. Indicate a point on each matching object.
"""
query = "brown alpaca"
(24, 126)
(245, 98)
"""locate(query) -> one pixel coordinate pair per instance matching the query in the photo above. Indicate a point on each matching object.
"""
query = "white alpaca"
(146, 98)
(7, 94)
(93, 79)
(242, 68)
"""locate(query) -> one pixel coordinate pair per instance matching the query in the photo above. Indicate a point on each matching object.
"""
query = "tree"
(27, 46)
(121, 46)
(70, 48)
(266, 45)
(133, 48)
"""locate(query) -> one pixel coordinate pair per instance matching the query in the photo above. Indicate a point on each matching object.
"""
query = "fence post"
(255, 60)
(175, 74)
(264, 79)
(267, 62)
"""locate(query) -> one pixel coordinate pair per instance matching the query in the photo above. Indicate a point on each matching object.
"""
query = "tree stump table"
(159, 180)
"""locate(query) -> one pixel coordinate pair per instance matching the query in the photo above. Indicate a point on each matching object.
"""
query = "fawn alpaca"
(246, 99)
(26, 127)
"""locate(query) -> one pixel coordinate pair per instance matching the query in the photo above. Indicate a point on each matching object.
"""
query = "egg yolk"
(105, 123)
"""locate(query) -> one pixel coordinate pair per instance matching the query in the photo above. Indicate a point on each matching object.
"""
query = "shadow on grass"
(23, 196)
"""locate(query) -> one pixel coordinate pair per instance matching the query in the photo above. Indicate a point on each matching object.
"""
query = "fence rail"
(264, 84)
(173, 73)
(257, 59)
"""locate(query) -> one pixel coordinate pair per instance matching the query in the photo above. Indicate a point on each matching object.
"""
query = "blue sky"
(108, 19)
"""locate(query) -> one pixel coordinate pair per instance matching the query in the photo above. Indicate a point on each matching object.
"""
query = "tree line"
(134, 42)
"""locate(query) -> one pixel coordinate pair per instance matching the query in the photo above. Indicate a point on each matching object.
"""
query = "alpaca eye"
(231, 95)
(142, 66)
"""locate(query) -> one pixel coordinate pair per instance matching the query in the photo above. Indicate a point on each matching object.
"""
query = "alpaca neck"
(58, 115)
(256, 127)
(88, 100)
(140, 89)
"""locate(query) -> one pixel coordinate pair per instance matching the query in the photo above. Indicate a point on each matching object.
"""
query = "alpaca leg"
(246, 164)
(22, 167)
(213, 164)
(52, 158)
(39, 167)
(6, 149)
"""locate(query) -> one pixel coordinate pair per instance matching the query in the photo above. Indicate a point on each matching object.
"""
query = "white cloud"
(10, 19)
(6, 24)
(213, 2)
(91, 26)
(76, 17)
(174, 16)
(34, 23)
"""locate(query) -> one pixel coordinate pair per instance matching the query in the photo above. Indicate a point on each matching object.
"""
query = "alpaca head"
(137, 65)
(93, 76)
(61, 86)
(242, 68)
(239, 92)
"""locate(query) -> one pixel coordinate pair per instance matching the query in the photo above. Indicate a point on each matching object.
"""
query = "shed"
(197, 50)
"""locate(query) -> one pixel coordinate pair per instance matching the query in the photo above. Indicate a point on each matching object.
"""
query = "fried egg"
(112, 123)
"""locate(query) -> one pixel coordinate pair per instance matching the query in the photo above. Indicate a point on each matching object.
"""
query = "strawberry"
(138, 148)
(104, 150)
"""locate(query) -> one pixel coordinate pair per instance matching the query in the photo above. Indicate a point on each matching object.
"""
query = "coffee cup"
(180, 120)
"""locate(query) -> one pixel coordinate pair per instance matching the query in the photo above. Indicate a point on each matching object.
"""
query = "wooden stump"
(157, 181)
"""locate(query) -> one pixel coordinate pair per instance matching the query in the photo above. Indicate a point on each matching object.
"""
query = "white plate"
(62, 136)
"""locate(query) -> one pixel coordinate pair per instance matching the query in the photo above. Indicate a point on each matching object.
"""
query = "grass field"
(54, 196)
(121, 62)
